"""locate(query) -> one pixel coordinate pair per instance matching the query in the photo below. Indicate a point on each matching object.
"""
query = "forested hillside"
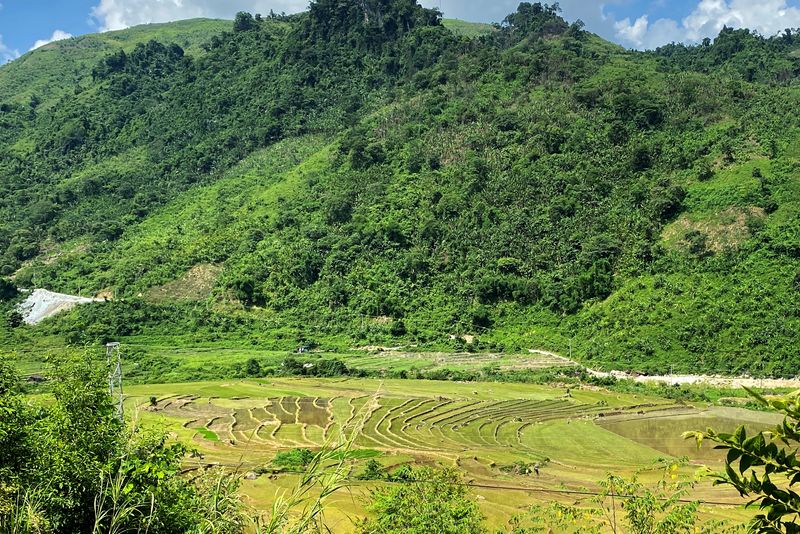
(45, 74)
(361, 173)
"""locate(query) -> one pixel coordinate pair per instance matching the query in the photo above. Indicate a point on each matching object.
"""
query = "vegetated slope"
(364, 173)
(48, 72)
(51, 70)
(468, 29)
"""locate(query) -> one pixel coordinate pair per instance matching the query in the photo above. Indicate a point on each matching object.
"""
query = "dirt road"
(715, 380)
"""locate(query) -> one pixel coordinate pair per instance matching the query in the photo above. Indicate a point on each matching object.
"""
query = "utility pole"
(114, 359)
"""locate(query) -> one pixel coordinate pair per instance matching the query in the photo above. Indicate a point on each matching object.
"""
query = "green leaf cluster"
(70, 465)
(426, 500)
(764, 467)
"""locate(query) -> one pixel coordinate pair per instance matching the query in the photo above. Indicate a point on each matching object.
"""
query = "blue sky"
(632, 23)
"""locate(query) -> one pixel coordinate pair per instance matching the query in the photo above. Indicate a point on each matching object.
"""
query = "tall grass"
(223, 511)
(303, 510)
(24, 514)
(219, 506)
(114, 509)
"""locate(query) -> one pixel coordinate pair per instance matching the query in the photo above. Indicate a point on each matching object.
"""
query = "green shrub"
(293, 460)
(372, 471)
(426, 500)
(70, 464)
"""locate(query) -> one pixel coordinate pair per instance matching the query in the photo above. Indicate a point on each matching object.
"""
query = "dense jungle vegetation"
(360, 173)
(70, 465)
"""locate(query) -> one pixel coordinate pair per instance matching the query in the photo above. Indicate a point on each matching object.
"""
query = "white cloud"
(706, 20)
(589, 11)
(120, 14)
(633, 33)
(768, 17)
(7, 54)
(58, 35)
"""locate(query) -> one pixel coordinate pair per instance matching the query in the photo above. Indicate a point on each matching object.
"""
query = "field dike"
(492, 432)
(440, 427)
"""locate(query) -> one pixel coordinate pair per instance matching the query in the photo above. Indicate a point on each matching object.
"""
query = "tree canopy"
(531, 185)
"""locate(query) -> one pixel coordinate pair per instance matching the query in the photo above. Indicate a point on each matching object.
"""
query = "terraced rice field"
(661, 430)
(398, 359)
(392, 423)
(439, 426)
(576, 436)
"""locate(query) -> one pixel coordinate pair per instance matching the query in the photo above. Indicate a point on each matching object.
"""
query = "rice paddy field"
(200, 362)
(158, 361)
(576, 436)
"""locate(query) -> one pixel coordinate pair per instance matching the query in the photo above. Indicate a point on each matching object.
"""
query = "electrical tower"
(114, 359)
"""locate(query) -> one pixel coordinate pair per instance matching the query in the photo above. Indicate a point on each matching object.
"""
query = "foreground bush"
(71, 466)
(627, 505)
(426, 500)
(764, 467)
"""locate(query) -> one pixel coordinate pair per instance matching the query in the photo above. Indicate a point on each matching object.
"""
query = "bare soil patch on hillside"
(195, 285)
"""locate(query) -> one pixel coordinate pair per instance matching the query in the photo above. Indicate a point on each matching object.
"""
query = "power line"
(551, 491)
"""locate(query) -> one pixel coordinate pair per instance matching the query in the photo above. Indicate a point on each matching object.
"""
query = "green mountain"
(54, 69)
(360, 173)
(50, 71)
